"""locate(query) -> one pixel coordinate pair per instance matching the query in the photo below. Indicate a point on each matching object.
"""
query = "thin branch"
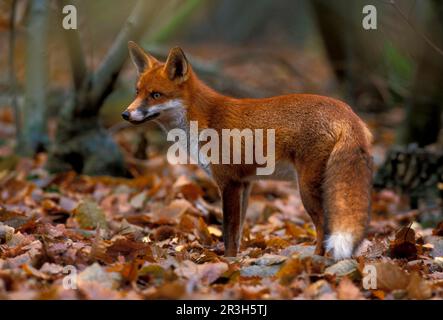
(213, 73)
(412, 26)
(34, 132)
(180, 15)
(76, 55)
(412, 8)
(12, 78)
(104, 78)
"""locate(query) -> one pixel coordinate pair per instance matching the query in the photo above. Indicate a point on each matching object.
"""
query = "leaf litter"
(159, 236)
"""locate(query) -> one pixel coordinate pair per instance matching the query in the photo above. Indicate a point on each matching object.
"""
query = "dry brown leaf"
(391, 277)
(276, 242)
(290, 269)
(164, 232)
(169, 290)
(128, 248)
(347, 290)
(30, 270)
(418, 288)
(215, 231)
(189, 189)
(172, 213)
(404, 244)
(89, 215)
(205, 273)
(438, 231)
(203, 233)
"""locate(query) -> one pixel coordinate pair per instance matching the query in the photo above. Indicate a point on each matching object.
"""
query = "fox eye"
(137, 91)
(156, 95)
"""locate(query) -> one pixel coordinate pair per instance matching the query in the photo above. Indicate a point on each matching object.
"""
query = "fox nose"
(125, 115)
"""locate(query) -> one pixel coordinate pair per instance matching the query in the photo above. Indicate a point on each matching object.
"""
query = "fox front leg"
(245, 193)
(232, 206)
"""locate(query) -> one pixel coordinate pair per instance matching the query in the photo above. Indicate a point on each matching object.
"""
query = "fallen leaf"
(169, 290)
(30, 270)
(391, 277)
(164, 232)
(89, 215)
(379, 294)
(347, 290)
(418, 288)
(138, 200)
(6, 233)
(270, 259)
(438, 231)
(172, 213)
(205, 273)
(299, 249)
(215, 231)
(51, 268)
(259, 271)
(98, 275)
(203, 233)
(128, 248)
(437, 246)
(320, 289)
(289, 270)
(189, 189)
(404, 244)
(276, 242)
(347, 267)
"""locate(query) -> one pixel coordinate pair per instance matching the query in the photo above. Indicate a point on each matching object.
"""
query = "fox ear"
(140, 58)
(177, 66)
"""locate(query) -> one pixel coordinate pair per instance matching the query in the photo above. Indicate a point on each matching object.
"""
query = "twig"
(412, 26)
(271, 56)
(104, 78)
(182, 13)
(412, 8)
(12, 79)
(76, 55)
(211, 71)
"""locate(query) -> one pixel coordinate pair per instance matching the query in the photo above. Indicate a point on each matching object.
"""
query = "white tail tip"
(341, 244)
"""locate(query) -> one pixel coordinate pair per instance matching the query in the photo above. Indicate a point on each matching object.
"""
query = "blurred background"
(62, 91)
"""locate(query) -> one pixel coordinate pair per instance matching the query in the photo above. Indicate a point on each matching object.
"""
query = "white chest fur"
(174, 117)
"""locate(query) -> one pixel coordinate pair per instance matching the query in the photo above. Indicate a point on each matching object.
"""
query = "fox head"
(160, 86)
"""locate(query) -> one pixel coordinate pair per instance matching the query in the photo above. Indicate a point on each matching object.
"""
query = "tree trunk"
(12, 76)
(33, 135)
(82, 143)
(424, 108)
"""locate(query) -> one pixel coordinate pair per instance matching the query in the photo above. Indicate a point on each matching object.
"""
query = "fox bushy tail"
(347, 193)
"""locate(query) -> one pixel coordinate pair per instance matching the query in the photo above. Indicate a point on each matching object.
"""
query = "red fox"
(319, 138)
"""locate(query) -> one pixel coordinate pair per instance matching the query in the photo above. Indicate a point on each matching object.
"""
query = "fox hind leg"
(309, 181)
(312, 204)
